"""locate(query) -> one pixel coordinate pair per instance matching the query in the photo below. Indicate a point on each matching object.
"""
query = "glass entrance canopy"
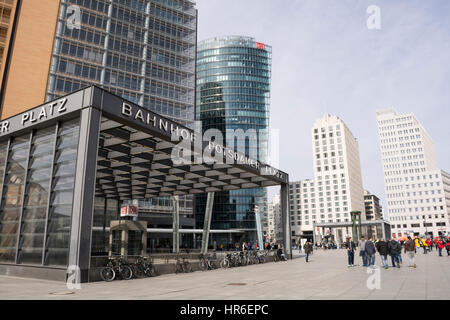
(57, 159)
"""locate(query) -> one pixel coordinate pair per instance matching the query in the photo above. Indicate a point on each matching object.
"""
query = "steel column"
(207, 222)
(259, 227)
(176, 224)
(84, 192)
(286, 219)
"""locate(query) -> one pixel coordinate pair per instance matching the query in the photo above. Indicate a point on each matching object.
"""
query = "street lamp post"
(425, 224)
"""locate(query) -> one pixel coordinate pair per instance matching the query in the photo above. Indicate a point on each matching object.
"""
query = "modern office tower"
(142, 50)
(233, 92)
(373, 207)
(417, 192)
(337, 171)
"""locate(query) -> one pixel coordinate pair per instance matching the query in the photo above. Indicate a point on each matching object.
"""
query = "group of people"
(393, 248)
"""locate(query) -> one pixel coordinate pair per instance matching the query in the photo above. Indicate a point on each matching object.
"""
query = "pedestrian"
(280, 254)
(370, 252)
(308, 249)
(440, 246)
(424, 245)
(410, 250)
(395, 249)
(429, 246)
(351, 247)
(382, 247)
(447, 246)
(362, 250)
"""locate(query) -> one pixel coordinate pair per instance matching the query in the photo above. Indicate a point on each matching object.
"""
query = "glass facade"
(141, 50)
(37, 174)
(233, 92)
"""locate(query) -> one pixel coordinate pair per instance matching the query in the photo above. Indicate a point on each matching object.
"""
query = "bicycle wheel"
(126, 272)
(151, 271)
(187, 267)
(138, 272)
(107, 274)
(225, 264)
(203, 265)
(178, 268)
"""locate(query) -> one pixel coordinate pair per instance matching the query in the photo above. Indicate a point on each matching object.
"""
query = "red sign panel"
(261, 46)
(129, 211)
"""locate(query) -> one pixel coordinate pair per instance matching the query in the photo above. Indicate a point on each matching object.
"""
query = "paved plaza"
(325, 277)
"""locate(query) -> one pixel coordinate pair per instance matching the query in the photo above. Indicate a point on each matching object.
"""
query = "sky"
(327, 61)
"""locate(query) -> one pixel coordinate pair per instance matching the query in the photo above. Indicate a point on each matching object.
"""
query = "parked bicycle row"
(245, 258)
(119, 268)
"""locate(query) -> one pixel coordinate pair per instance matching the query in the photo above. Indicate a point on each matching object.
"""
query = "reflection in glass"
(61, 198)
(12, 197)
(36, 197)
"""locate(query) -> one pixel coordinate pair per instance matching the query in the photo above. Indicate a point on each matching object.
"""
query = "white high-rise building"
(336, 189)
(337, 170)
(417, 192)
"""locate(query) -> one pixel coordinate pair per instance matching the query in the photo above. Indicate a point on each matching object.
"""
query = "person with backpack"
(382, 247)
(370, 252)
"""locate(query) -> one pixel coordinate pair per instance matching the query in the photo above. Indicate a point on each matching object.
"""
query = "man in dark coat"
(370, 252)
(382, 248)
(395, 250)
(351, 247)
(308, 249)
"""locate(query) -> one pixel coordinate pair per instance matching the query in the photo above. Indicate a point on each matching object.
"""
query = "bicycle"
(206, 263)
(116, 268)
(226, 261)
(143, 268)
(182, 266)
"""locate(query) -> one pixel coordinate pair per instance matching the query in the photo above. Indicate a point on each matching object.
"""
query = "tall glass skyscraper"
(142, 50)
(233, 92)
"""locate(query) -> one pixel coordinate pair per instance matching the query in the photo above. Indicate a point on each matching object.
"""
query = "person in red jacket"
(447, 246)
(430, 247)
(440, 246)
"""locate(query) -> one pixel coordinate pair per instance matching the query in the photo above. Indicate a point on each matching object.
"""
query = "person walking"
(440, 246)
(370, 252)
(429, 246)
(447, 246)
(351, 247)
(308, 249)
(410, 250)
(382, 247)
(395, 249)
(424, 245)
(362, 250)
